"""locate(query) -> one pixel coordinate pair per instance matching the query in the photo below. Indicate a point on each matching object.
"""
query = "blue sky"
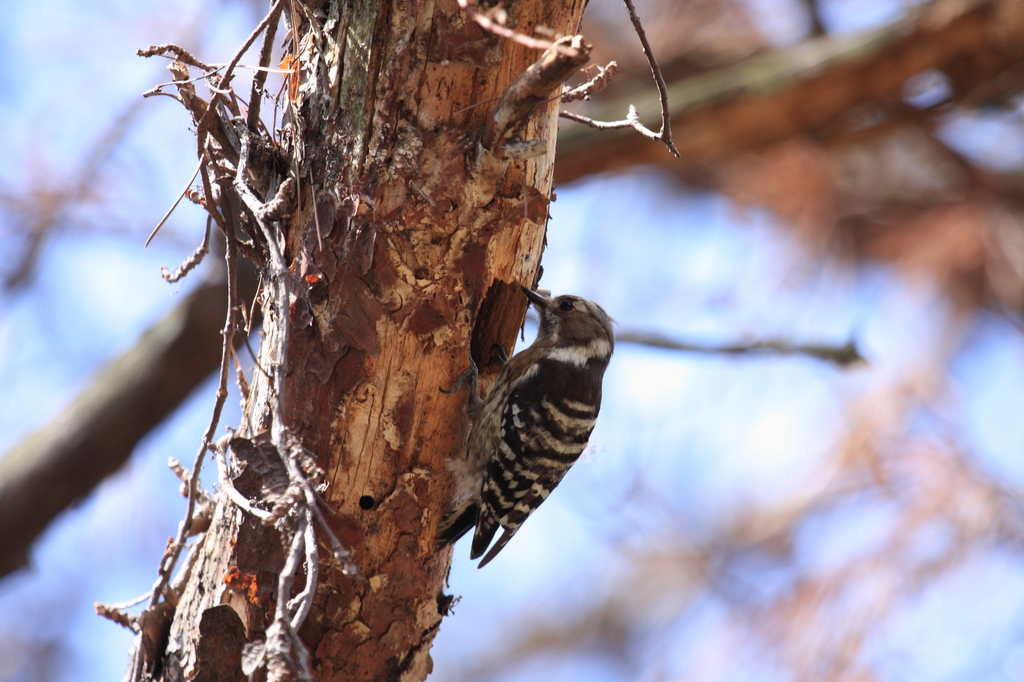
(697, 438)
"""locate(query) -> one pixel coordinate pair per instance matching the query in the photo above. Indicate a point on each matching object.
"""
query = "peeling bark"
(420, 226)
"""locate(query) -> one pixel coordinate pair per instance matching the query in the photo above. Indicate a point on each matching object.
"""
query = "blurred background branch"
(849, 171)
(94, 436)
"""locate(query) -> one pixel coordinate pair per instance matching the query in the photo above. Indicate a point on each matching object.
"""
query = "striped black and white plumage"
(533, 424)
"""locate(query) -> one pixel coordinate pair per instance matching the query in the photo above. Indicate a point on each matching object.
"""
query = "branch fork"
(538, 84)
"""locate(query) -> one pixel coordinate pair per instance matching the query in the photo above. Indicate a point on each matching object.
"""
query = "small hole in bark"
(366, 502)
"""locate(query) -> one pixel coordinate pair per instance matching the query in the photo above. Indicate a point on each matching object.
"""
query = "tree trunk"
(425, 236)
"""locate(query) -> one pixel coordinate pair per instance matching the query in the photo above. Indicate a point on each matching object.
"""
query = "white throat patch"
(580, 355)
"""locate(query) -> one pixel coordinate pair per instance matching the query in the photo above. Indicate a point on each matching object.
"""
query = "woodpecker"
(533, 424)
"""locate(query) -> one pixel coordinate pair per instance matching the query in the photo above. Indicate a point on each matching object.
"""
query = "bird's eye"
(566, 305)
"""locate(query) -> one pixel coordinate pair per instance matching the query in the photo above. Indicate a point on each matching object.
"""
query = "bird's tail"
(456, 523)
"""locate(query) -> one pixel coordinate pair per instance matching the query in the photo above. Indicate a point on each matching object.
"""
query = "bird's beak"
(539, 300)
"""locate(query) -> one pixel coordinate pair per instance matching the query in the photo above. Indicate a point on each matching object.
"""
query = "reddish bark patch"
(424, 320)
(471, 264)
(465, 42)
(244, 583)
(356, 314)
(404, 415)
(536, 206)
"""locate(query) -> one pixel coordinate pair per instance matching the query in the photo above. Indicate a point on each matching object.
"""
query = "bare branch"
(532, 87)
(281, 203)
(272, 15)
(52, 206)
(202, 111)
(230, 328)
(665, 135)
(227, 486)
(180, 54)
(632, 118)
(210, 200)
(846, 355)
(302, 602)
(117, 615)
(256, 95)
(177, 201)
(192, 261)
(158, 89)
(593, 86)
(94, 435)
(751, 104)
(632, 121)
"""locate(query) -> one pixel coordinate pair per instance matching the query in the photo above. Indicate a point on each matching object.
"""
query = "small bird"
(533, 424)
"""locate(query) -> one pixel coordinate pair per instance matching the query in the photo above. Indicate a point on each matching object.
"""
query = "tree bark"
(425, 237)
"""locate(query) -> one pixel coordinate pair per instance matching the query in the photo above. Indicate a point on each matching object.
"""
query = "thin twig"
(229, 73)
(240, 380)
(177, 584)
(118, 615)
(158, 88)
(303, 601)
(209, 199)
(341, 554)
(258, 81)
(121, 605)
(666, 119)
(169, 562)
(222, 86)
(632, 119)
(316, 217)
(192, 261)
(227, 486)
(845, 355)
(281, 203)
(609, 125)
(181, 55)
(241, 502)
(278, 271)
(592, 86)
(291, 564)
(250, 318)
(476, 104)
(177, 201)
